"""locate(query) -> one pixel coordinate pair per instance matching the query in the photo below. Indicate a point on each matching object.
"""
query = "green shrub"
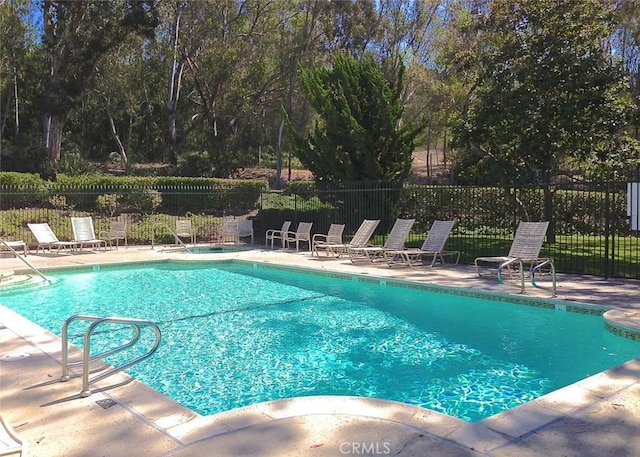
(108, 204)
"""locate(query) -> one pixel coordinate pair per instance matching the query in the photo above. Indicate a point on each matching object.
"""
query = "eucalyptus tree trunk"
(53, 124)
(173, 93)
(305, 40)
(114, 134)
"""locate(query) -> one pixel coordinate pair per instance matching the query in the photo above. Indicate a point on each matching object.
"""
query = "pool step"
(6, 275)
(10, 278)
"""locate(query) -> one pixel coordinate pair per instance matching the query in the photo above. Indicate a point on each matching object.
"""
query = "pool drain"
(106, 403)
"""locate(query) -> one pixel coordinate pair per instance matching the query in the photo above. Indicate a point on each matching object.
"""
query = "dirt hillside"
(418, 170)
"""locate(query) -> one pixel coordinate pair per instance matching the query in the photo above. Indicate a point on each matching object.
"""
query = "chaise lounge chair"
(47, 239)
(272, 234)
(11, 444)
(83, 233)
(319, 241)
(301, 235)
(16, 246)
(433, 246)
(525, 250)
(395, 241)
(360, 238)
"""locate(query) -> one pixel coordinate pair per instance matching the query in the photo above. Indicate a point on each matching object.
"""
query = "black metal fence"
(590, 230)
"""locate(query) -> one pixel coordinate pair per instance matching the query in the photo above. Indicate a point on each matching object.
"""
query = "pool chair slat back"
(286, 225)
(43, 233)
(528, 240)
(398, 234)
(83, 229)
(245, 229)
(229, 229)
(303, 232)
(437, 236)
(334, 235)
(364, 233)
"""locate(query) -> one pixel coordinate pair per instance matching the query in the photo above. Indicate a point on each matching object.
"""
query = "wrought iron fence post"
(607, 231)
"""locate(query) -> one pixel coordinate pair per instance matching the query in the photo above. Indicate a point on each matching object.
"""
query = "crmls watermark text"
(356, 448)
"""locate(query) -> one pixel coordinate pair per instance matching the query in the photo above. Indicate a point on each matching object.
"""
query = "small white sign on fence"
(633, 205)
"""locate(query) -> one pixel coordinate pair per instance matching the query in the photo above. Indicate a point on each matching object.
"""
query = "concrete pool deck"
(597, 416)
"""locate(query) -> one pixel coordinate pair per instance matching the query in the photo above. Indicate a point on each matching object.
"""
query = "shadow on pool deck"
(594, 417)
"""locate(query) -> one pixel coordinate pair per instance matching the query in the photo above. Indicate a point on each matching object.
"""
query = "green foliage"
(26, 189)
(20, 180)
(73, 164)
(23, 154)
(548, 90)
(194, 163)
(59, 202)
(146, 201)
(359, 135)
(138, 194)
(108, 204)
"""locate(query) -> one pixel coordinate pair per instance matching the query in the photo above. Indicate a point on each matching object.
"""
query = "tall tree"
(77, 33)
(358, 135)
(13, 34)
(298, 30)
(626, 42)
(548, 90)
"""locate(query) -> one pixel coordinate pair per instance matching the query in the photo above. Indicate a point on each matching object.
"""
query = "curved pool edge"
(623, 322)
(594, 416)
(338, 419)
(30, 388)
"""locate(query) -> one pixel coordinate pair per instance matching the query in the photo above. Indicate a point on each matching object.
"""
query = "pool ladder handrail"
(535, 267)
(175, 235)
(29, 264)
(87, 358)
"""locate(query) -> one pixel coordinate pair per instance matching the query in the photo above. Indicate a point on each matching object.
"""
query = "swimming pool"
(318, 335)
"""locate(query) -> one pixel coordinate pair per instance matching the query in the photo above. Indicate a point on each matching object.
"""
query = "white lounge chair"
(272, 234)
(525, 250)
(184, 229)
(117, 231)
(360, 238)
(47, 239)
(395, 241)
(319, 241)
(15, 245)
(83, 232)
(433, 247)
(301, 235)
(10, 442)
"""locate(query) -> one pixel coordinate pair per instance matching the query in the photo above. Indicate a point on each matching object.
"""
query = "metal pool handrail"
(135, 324)
(29, 264)
(534, 268)
(175, 236)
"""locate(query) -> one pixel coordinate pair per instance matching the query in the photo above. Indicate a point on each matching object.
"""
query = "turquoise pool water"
(214, 249)
(236, 334)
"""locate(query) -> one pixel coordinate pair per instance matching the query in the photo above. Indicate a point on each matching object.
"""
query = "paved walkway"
(595, 417)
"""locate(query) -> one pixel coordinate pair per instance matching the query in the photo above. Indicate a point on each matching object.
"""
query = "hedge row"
(589, 210)
(126, 193)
